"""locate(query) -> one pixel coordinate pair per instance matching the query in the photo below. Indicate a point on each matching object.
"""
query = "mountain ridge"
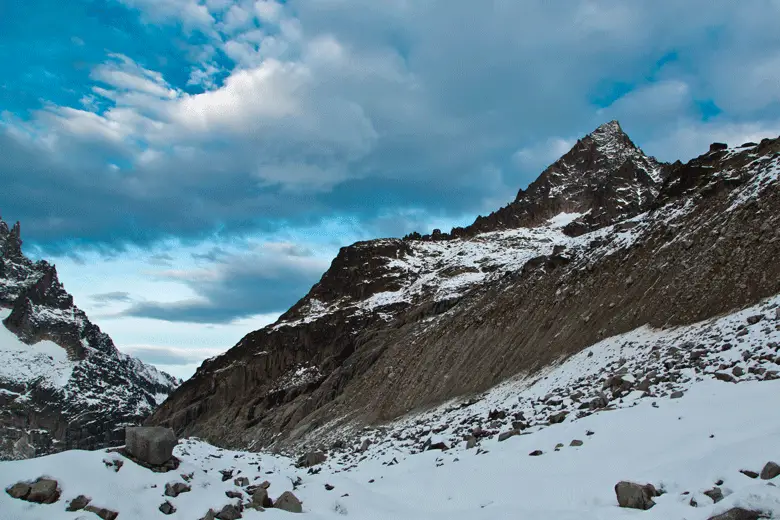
(50, 402)
(398, 325)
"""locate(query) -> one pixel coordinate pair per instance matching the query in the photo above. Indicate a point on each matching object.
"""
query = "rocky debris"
(151, 444)
(365, 445)
(752, 320)
(536, 453)
(233, 494)
(471, 442)
(241, 481)
(749, 473)
(42, 491)
(229, 512)
(114, 464)
(635, 496)
(176, 488)
(506, 435)
(288, 502)
(716, 494)
(770, 471)
(310, 459)
(102, 512)
(260, 498)
(167, 508)
(737, 513)
(558, 417)
(227, 474)
(576, 442)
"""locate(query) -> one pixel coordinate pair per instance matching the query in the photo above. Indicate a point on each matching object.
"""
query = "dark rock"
(716, 494)
(576, 442)
(167, 508)
(723, 376)
(738, 371)
(311, 459)
(260, 498)
(536, 453)
(635, 496)
(365, 445)
(737, 513)
(102, 512)
(19, 490)
(717, 147)
(43, 491)
(506, 435)
(752, 320)
(241, 481)
(227, 474)
(78, 503)
(151, 444)
(438, 446)
(558, 417)
(748, 473)
(676, 395)
(173, 490)
(288, 502)
(770, 471)
(229, 512)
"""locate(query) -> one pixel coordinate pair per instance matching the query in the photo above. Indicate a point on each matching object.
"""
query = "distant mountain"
(63, 383)
(605, 241)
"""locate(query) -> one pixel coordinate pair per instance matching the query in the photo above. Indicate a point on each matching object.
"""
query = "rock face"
(63, 384)
(635, 496)
(605, 241)
(153, 445)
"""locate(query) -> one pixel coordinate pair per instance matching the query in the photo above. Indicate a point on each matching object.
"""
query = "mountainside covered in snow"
(63, 383)
(606, 241)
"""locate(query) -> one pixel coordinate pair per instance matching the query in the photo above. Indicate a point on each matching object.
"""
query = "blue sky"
(193, 165)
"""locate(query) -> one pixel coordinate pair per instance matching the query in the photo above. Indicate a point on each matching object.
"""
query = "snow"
(682, 446)
(44, 363)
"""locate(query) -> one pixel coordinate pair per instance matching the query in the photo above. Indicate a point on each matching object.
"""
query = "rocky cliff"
(63, 383)
(604, 241)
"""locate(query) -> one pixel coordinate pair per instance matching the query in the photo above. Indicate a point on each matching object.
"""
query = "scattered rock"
(748, 473)
(365, 445)
(536, 453)
(723, 376)
(752, 320)
(43, 491)
(770, 471)
(173, 490)
(167, 508)
(19, 490)
(241, 481)
(558, 417)
(676, 395)
(576, 442)
(716, 494)
(438, 446)
(737, 513)
(311, 459)
(635, 496)
(102, 512)
(328, 487)
(229, 512)
(506, 435)
(288, 502)
(260, 498)
(233, 494)
(151, 444)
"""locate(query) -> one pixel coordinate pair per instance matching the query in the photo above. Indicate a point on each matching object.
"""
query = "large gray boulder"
(288, 502)
(635, 496)
(770, 471)
(737, 513)
(150, 444)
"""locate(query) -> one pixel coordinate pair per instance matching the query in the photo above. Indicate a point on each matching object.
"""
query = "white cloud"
(542, 154)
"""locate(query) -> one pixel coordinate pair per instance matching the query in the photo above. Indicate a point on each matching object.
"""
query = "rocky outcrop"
(390, 329)
(82, 399)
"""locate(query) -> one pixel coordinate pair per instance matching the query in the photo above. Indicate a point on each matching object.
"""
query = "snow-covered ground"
(685, 432)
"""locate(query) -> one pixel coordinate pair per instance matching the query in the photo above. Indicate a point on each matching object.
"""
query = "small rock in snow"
(770, 471)
(635, 496)
(737, 513)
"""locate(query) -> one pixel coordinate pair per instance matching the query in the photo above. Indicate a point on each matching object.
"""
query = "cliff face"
(63, 384)
(605, 241)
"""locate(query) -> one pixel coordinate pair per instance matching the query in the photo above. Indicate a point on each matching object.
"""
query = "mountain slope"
(605, 241)
(63, 383)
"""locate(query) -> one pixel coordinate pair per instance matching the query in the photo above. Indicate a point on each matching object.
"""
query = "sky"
(192, 166)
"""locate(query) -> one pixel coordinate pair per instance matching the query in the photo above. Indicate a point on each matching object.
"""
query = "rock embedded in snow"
(167, 508)
(676, 395)
(716, 494)
(288, 502)
(576, 442)
(260, 498)
(635, 496)
(78, 503)
(471, 442)
(19, 490)
(150, 444)
(176, 488)
(312, 458)
(770, 471)
(536, 453)
(43, 491)
(229, 512)
(102, 512)
(241, 481)
(737, 513)
(749, 473)
(506, 435)
(558, 417)
(752, 320)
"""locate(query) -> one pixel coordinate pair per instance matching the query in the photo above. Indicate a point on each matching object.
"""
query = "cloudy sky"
(192, 166)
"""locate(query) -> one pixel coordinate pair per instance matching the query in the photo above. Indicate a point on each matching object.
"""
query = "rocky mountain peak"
(10, 240)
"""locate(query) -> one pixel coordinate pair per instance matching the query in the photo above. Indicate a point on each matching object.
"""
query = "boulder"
(737, 513)
(506, 435)
(288, 502)
(102, 512)
(770, 471)
(749, 473)
(167, 508)
(241, 481)
(78, 503)
(176, 488)
(635, 496)
(43, 491)
(558, 417)
(716, 494)
(260, 498)
(752, 320)
(471, 442)
(575, 443)
(229, 512)
(150, 444)
(536, 453)
(311, 459)
(19, 490)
